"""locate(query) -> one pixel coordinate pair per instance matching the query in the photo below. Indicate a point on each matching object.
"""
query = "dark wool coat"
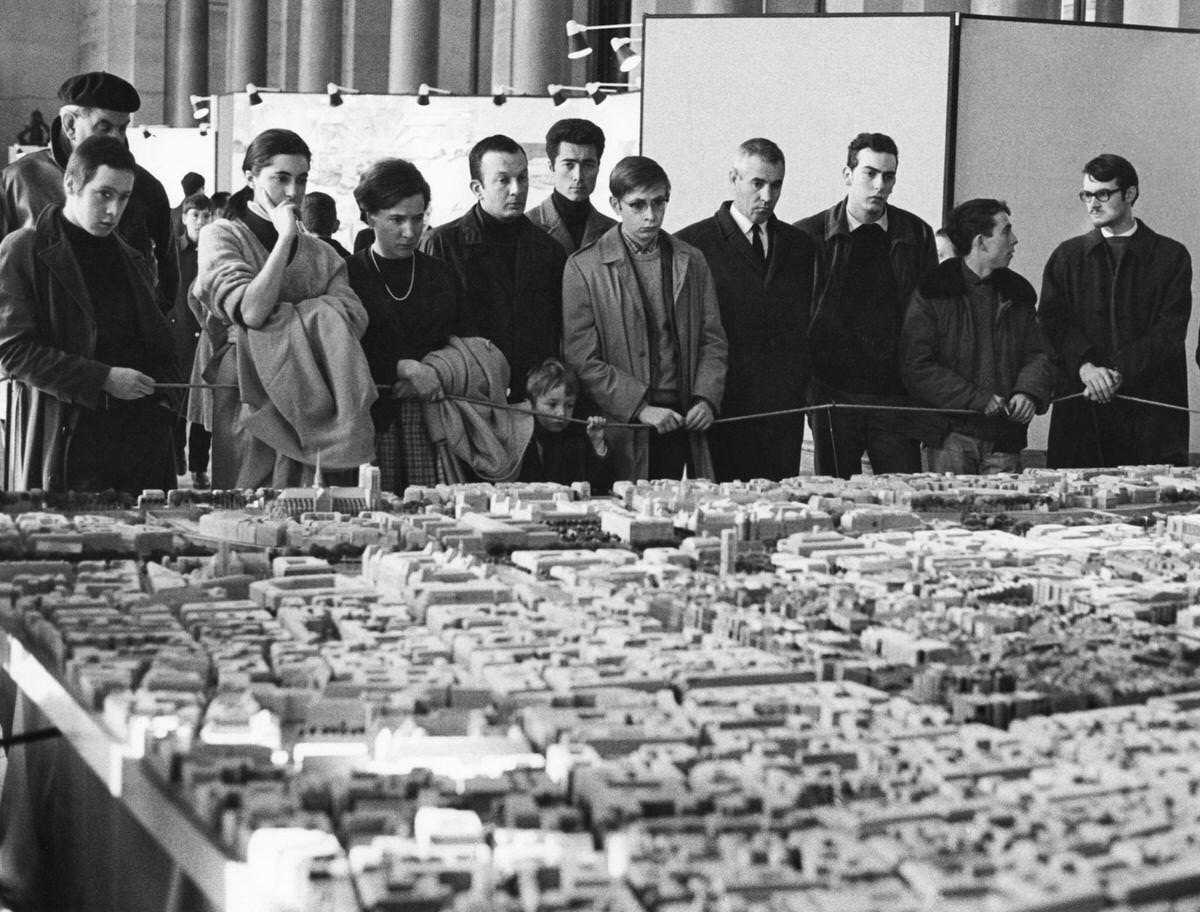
(765, 310)
(938, 354)
(520, 312)
(47, 338)
(912, 255)
(1134, 321)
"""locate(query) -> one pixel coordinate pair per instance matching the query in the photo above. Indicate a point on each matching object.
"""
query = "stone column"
(1165, 13)
(728, 7)
(413, 56)
(1110, 11)
(320, 57)
(539, 45)
(247, 30)
(187, 58)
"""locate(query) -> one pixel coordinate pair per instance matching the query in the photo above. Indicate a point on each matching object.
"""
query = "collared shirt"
(638, 248)
(882, 221)
(746, 225)
(1108, 232)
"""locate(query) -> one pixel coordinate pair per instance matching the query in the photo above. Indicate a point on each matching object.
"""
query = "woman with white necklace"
(414, 307)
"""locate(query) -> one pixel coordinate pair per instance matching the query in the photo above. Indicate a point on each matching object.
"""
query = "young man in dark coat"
(763, 270)
(870, 256)
(94, 104)
(971, 341)
(574, 147)
(509, 270)
(1115, 306)
(81, 335)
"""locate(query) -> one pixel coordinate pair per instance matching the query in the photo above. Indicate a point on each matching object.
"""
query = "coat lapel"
(62, 265)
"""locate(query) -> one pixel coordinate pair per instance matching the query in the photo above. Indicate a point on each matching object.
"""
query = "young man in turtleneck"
(82, 336)
(574, 147)
(509, 271)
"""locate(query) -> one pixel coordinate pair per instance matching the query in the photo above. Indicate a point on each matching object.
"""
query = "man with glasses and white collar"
(1115, 306)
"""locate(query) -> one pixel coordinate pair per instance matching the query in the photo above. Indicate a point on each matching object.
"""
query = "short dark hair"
(550, 375)
(762, 148)
(195, 201)
(318, 212)
(191, 183)
(976, 216)
(1107, 166)
(574, 130)
(634, 171)
(93, 153)
(876, 142)
(497, 143)
(388, 181)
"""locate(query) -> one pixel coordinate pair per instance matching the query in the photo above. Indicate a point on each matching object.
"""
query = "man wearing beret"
(94, 104)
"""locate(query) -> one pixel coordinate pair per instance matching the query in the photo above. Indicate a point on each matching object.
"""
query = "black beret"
(100, 90)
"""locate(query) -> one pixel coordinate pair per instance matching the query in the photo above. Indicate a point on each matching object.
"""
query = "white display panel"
(435, 137)
(1036, 100)
(809, 84)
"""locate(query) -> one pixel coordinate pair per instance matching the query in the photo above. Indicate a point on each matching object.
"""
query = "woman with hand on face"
(292, 325)
(413, 306)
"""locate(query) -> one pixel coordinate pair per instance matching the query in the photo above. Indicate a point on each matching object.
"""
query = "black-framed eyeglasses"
(1102, 196)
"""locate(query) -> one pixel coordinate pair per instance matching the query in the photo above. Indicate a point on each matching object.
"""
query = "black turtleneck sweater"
(503, 238)
(574, 215)
(119, 341)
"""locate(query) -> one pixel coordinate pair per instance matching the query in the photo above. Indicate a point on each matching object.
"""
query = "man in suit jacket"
(763, 269)
(574, 147)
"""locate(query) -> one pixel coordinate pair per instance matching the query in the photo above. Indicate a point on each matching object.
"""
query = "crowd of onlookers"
(237, 341)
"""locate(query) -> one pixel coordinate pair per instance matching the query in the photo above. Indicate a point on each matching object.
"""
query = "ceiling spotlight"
(560, 93)
(627, 57)
(255, 92)
(201, 106)
(500, 94)
(146, 134)
(335, 92)
(598, 91)
(424, 90)
(577, 45)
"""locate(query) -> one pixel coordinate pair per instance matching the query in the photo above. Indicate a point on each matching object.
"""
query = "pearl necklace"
(411, 279)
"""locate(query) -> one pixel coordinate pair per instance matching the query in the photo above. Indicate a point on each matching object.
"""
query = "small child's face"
(194, 220)
(558, 402)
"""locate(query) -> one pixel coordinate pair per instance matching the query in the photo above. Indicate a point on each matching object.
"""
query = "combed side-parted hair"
(762, 148)
(548, 376)
(574, 130)
(974, 217)
(497, 143)
(264, 147)
(93, 153)
(876, 142)
(388, 181)
(195, 201)
(1107, 166)
(634, 171)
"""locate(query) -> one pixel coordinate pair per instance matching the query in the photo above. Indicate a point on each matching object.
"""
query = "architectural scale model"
(883, 695)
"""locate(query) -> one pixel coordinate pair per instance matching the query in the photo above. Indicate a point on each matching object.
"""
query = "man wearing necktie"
(763, 270)
(870, 256)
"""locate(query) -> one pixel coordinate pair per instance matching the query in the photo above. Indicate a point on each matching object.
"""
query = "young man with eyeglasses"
(1115, 306)
(642, 330)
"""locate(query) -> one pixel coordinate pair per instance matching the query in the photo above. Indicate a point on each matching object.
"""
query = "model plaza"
(925, 692)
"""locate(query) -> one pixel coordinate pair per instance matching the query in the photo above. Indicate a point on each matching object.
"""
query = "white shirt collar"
(746, 225)
(1108, 232)
(882, 221)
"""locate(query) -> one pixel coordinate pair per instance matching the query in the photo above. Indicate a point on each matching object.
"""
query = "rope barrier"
(735, 419)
